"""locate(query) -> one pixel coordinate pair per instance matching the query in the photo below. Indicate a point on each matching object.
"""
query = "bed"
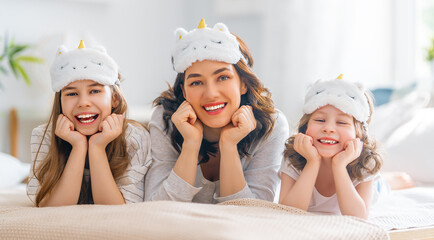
(402, 214)
(236, 219)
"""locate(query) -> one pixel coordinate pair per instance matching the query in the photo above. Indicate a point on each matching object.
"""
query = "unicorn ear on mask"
(101, 49)
(222, 27)
(179, 33)
(62, 49)
(360, 86)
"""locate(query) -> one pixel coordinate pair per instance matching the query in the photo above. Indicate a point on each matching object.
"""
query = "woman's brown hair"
(369, 161)
(51, 168)
(256, 96)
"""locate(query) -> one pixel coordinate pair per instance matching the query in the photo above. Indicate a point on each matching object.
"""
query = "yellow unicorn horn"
(81, 45)
(202, 24)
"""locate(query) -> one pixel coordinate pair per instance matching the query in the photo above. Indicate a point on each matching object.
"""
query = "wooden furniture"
(13, 137)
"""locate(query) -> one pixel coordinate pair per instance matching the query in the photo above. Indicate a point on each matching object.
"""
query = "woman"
(215, 135)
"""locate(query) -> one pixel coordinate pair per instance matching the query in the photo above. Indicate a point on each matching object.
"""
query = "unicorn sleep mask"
(344, 95)
(204, 43)
(82, 64)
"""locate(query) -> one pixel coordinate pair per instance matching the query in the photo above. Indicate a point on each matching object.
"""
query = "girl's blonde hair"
(369, 161)
(51, 168)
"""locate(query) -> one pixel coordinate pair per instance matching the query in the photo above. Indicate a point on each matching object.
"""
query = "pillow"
(12, 170)
(410, 147)
(388, 117)
(386, 95)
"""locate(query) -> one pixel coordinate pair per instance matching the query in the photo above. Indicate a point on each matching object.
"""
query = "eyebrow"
(94, 85)
(216, 72)
(339, 114)
(90, 85)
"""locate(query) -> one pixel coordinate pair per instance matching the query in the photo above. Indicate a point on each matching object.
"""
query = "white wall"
(137, 34)
(292, 44)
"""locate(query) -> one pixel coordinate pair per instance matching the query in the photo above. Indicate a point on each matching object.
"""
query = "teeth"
(212, 108)
(327, 141)
(86, 115)
(87, 121)
(86, 118)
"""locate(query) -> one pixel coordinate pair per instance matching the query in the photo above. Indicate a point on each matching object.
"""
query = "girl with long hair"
(88, 152)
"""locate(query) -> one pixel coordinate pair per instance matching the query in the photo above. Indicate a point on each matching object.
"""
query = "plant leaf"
(23, 74)
(16, 49)
(13, 67)
(29, 59)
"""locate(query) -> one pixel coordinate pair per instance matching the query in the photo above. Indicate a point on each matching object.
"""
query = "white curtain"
(306, 40)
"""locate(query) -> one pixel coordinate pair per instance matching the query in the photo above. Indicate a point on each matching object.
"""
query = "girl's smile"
(86, 118)
(328, 141)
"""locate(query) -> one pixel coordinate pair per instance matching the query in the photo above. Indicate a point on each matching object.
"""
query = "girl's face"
(330, 129)
(86, 103)
(214, 91)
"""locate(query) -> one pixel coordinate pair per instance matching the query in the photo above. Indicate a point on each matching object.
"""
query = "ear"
(179, 33)
(115, 99)
(61, 50)
(243, 88)
(221, 27)
(183, 91)
(100, 49)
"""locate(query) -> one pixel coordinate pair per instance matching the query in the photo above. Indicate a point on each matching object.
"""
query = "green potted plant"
(11, 59)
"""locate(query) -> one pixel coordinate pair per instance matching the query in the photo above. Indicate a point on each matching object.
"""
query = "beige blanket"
(238, 219)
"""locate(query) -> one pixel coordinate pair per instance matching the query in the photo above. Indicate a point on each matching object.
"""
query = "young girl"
(331, 164)
(215, 135)
(87, 152)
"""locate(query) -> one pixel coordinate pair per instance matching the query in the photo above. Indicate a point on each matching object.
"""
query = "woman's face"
(86, 104)
(214, 91)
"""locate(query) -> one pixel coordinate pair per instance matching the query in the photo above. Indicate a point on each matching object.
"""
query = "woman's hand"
(109, 129)
(65, 130)
(303, 144)
(352, 150)
(242, 123)
(187, 123)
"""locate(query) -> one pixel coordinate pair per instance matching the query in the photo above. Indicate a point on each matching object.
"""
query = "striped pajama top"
(131, 183)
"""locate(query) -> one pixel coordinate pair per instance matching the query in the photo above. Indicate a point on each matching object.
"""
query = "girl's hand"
(303, 144)
(187, 123)
(243, 122)
(65, 130)
(109, 129)
(352, 150)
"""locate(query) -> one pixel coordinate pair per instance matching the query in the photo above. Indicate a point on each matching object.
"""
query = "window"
(424, 31)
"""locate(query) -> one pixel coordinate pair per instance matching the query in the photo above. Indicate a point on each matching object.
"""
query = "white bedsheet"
(402, 209)
(14, 196)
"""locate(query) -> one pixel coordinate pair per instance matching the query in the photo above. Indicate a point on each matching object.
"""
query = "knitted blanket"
(237, 219)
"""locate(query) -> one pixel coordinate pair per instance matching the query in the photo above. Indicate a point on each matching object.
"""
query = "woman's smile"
(214, 108)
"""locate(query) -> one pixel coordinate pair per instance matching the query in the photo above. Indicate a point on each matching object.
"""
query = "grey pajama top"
(131, 183)
(260, 172)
